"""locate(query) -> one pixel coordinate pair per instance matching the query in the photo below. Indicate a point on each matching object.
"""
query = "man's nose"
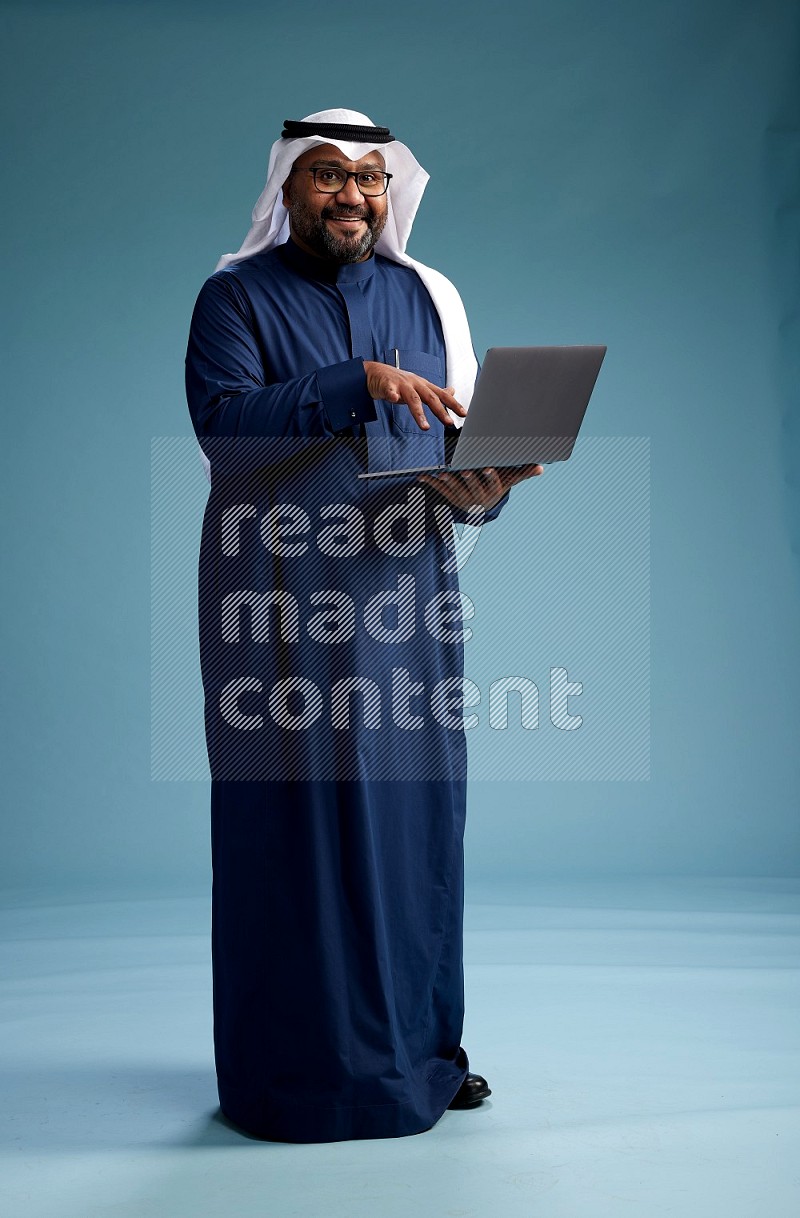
(350, 194)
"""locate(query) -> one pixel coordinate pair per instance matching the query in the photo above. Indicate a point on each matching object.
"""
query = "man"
(330, 649)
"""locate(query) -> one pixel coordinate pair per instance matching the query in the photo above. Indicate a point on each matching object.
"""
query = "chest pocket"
(423, 364)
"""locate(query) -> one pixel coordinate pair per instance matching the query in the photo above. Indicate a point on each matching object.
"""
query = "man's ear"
(286, 194)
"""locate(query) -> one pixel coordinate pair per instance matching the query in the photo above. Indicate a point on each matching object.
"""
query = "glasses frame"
(349, 173)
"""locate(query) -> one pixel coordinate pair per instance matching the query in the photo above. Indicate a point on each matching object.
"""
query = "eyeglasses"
(330, 181)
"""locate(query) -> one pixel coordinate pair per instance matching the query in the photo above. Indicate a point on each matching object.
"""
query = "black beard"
(310, 226)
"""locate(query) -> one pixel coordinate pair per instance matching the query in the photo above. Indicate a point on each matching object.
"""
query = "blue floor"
(641, 1038)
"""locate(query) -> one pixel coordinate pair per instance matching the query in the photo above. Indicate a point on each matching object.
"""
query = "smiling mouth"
(347, 219)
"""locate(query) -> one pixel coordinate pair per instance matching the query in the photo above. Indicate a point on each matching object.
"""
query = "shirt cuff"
(343, 394)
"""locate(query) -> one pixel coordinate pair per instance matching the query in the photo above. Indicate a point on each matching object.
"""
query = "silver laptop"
(527, 408)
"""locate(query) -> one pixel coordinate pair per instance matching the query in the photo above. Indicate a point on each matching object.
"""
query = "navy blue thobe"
(331, 654)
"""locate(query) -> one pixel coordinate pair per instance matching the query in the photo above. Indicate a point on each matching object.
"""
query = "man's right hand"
(395, 385)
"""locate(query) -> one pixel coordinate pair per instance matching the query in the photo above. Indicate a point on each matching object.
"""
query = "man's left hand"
(479, 487)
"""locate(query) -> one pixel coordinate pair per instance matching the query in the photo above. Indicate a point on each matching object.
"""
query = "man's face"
(344, 226)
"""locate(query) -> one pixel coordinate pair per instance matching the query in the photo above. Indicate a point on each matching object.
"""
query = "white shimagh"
(270, 227)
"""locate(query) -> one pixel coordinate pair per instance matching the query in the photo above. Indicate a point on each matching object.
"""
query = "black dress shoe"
(473, 1089)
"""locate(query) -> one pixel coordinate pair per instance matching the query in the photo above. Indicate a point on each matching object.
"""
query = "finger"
(432, 397)
(527, 471)
(448, 487)
(447, 396)
(431, 480)
(473, 481)
(414, 403)
(491, 486)
(493, 482)
(512, 474)
(475, 488)
(468, 487)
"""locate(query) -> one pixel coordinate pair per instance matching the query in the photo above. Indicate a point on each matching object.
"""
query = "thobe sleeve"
(226, 385)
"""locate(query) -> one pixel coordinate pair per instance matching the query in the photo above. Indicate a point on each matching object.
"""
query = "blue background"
(622, 173)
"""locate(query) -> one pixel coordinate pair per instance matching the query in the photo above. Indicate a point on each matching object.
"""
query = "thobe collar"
(326, 269)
